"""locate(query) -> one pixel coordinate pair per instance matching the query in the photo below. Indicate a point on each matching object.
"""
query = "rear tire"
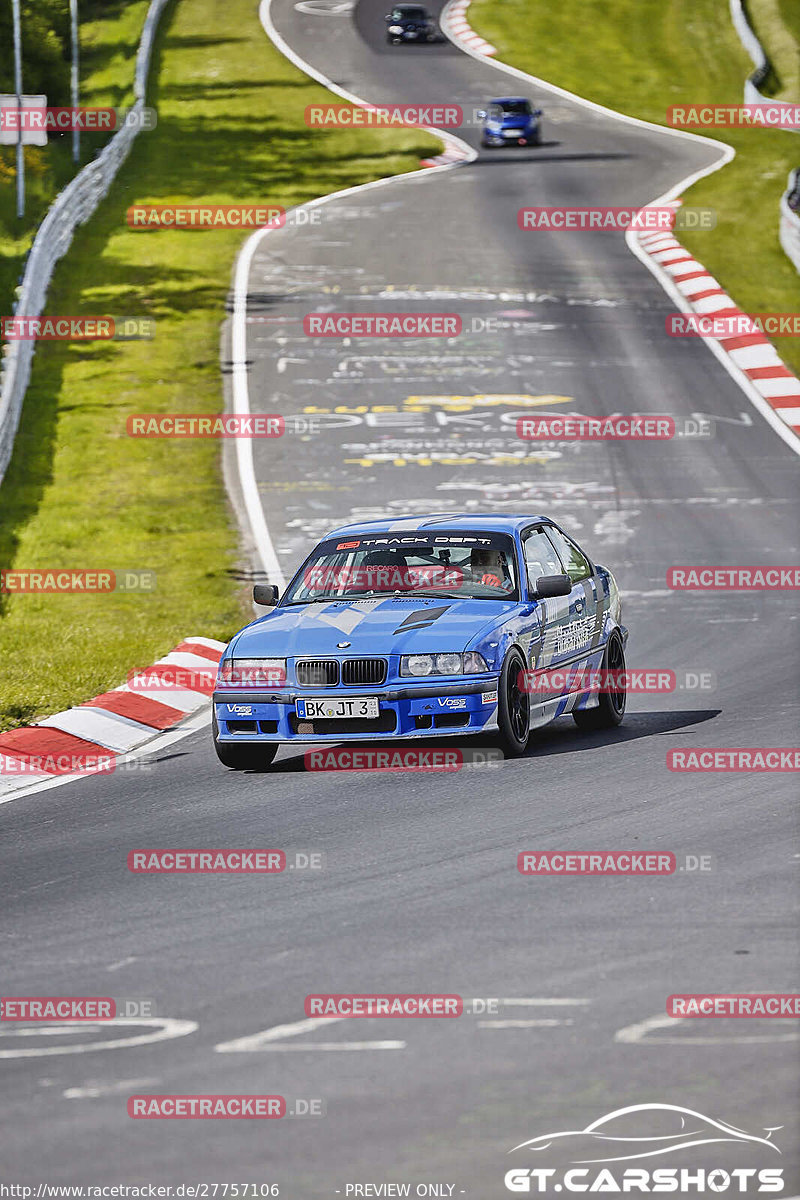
(611, 707)
(245, 757)
(513, 706)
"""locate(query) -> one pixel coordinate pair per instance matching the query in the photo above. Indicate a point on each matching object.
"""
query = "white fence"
(789, 231)
(790, 219)
(72, 207)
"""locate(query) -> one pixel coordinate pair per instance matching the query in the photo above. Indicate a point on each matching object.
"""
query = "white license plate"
(323, 709)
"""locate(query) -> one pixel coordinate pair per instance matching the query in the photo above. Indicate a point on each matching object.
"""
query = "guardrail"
(789, 229)
(72, 207)
(790, 219)
(758, 55)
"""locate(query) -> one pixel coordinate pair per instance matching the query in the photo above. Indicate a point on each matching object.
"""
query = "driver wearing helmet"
(489, 568)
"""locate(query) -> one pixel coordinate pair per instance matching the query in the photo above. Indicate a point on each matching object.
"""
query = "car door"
(541, 558)
(576, 631)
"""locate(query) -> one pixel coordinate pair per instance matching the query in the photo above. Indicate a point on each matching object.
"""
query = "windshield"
(460, 565)
(511, 108)
(409, 14)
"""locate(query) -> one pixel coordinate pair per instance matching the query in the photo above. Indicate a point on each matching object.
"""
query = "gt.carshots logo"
(647, 1131)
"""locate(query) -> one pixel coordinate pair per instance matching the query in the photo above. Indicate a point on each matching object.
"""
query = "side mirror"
(537, 112)
(553, 585)
(481, 114)
(266, 594)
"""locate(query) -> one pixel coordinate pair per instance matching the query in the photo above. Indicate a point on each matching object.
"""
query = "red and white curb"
(752, 354)
(454, 152)
(111, 725)
(457, 28)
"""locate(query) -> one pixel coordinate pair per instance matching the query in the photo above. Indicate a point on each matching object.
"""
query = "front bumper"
(507, 138)
(405, 711)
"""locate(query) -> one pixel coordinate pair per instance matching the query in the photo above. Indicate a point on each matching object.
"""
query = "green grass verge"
(639, 57)
(109, 36)
(79, 492)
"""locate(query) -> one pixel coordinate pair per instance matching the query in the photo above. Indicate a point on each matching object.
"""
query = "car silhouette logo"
(683, 1128)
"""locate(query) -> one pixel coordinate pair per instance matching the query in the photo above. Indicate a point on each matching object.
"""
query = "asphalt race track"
(419, 891)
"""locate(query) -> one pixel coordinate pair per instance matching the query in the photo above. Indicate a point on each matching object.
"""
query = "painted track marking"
(267, 1039)
(164, 1029)
(636, 1035)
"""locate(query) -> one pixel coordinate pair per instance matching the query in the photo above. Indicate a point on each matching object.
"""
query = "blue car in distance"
(511, 121)
(421, 627)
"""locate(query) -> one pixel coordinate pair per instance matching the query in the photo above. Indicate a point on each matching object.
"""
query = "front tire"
(611, 707)
(245, 757)
(513, 706)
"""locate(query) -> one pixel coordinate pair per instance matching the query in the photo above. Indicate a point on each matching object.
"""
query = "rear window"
(515, 108)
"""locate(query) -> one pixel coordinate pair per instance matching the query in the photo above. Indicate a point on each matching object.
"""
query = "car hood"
(375, 626)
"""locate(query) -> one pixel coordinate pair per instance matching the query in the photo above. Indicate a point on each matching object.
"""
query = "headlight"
(395, 29)
(474, 663)
(252, 672)
(420, 665)
(416, 664)
(449, 664)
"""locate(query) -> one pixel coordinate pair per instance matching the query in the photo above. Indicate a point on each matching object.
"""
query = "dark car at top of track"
(410, 23)
(424, 627)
